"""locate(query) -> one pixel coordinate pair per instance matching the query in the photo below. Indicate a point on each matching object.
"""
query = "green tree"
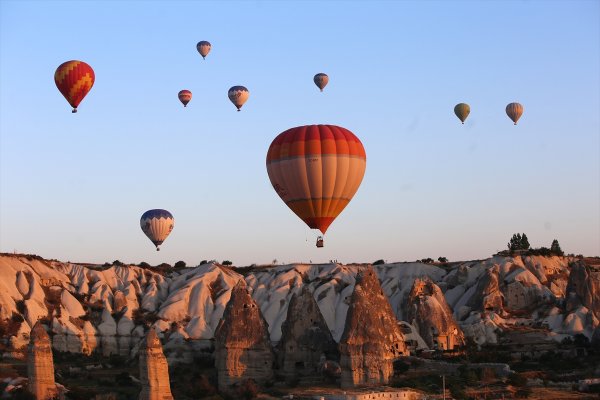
(524, 242)
(379, 262)
(227, 262)
(179, 264)
(442, 259)
(555, 248)
(518, 242)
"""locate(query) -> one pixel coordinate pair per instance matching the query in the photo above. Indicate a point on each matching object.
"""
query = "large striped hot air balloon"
(203, 48)
(316, 170)
(74, 79)
(462, 111)
(238, 96)
(514, 111)
(185, 96)
(321, 80)
(157, 224)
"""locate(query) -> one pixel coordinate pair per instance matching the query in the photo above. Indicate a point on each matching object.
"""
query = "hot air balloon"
(238, 96)
(74, 79)
(321, 80)
(514, 111)
(157, 225)
(316, 170)
(185, 96)
(462, 111)
(203, 48)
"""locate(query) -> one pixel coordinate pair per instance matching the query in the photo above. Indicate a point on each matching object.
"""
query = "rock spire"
(305, 339)
(40, 365)
(154, 370)
(372, 338)
(242, 346)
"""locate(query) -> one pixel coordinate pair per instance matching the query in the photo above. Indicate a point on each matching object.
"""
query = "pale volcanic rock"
(489, 296)
(305, 338)
(40, 365)
(371, 338)
(154, 370)
(583, 288)
(242, 346)
(427, 310)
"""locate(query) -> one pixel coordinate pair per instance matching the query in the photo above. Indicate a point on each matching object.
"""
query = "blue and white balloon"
(157, 224)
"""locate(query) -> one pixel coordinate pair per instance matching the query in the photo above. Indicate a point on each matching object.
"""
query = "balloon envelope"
(462, 111)
(321, 80)
(185, 96)
(514, 111)
(203, 48)
(74, 79)
(238, 96)
(316, 170)
(157, 224)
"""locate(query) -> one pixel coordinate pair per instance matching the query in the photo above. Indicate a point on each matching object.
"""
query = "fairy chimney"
(242, 346)
(305, 337)
(40, 365)
(154, 370)
(372, 338)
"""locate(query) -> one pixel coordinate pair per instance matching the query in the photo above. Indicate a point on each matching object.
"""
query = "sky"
(73, 186)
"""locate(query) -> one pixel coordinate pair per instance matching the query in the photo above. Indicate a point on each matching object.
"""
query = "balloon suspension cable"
(204, 58)
(75, 110)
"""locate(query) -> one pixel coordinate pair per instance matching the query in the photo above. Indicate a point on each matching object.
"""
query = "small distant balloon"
(462, 111)
(238, 96)
(514, 111)
(185, 96)
(321, 80)
(157, 224)
(74, 79)
(203, 48)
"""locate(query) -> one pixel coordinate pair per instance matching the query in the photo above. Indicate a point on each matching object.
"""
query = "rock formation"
(305, 338)
(583, 289)
(154, 370)
(489, 296)
(372, 337)
(428, 311)
(40, 365)
(242, 346)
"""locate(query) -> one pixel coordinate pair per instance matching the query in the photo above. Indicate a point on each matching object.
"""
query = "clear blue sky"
(73, 186)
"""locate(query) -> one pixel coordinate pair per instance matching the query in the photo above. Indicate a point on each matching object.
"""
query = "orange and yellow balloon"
(74, 79)
(514, 111)
(316, 170)
(184, 97)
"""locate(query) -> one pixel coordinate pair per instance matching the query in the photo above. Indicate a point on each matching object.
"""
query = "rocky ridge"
(91, 308)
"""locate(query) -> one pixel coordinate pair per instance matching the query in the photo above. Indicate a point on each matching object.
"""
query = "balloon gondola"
(320, 241)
